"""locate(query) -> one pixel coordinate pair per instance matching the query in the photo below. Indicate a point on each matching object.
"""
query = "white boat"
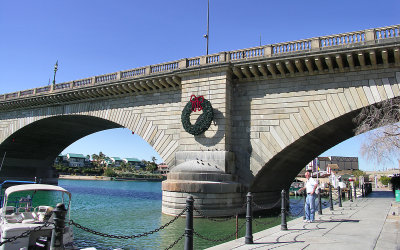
(34, 206)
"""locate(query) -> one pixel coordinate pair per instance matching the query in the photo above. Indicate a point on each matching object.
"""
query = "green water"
(133, 207)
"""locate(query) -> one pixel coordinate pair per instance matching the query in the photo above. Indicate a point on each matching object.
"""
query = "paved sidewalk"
(367, 223)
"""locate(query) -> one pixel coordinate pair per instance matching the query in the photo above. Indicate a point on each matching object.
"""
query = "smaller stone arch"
(32, 143)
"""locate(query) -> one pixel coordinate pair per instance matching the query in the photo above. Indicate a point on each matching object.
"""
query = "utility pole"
(208, 24)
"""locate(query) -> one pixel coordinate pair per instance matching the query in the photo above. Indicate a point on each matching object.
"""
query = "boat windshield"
(34, 198)
(8, 183)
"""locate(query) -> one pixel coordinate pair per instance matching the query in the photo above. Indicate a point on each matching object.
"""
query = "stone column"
(204, 164)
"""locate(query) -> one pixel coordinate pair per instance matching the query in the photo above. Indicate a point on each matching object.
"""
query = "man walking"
(311, 186)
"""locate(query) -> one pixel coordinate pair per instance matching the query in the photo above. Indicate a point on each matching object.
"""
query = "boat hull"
(15, 230)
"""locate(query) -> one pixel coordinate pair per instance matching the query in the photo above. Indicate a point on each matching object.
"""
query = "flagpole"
(208, 23)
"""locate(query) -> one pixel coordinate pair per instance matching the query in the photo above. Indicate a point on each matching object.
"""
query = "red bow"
(196, 103)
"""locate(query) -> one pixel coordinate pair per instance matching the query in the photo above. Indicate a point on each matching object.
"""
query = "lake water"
(134, 207)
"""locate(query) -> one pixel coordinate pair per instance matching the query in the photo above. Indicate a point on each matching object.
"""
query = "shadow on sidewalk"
(279, 242)
(339, 220)
(381, 194)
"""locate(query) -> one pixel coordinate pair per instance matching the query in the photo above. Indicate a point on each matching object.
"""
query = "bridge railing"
(312, 44)
(387, 32)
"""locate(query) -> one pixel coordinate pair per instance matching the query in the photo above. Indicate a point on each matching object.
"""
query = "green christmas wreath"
(203, 121)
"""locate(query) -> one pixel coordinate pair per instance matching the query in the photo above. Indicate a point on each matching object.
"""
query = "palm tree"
(98, 160)
(95, 159)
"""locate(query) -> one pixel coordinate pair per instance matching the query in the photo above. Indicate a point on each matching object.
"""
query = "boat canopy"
(8, 183)
(33, 187)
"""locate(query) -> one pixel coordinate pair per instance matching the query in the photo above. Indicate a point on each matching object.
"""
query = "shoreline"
(105, 178)
(83, 177)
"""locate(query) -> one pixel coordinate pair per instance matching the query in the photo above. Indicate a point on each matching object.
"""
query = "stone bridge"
(276, 107)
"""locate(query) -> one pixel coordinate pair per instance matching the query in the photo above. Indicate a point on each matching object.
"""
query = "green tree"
(357, 174)
(151, 167)
(385, 180)
(109, 172)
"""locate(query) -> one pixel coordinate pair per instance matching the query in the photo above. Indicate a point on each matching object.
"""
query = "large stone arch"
(32, 138)
(318, 116)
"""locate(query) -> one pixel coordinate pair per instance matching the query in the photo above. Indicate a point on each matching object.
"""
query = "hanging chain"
(295, 215)
(269, 207)
(295, 203)
(127, 236)
(218, 240)
(214, 219)
(26, 233)
(259, 222)
(238, 211)
(175, 242)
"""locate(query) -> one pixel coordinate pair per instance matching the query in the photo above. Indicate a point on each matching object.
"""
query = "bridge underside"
(30, 151)
(290, 161)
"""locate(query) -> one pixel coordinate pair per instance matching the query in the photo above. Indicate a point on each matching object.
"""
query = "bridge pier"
(215, 192)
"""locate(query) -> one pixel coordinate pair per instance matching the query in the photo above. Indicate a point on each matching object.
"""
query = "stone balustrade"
(305, 45)
(87, 81)
(290, 47)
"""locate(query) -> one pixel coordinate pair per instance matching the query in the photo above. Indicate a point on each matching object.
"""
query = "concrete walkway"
(367, 223)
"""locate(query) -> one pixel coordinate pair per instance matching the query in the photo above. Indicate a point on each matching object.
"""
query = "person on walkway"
(311, 186)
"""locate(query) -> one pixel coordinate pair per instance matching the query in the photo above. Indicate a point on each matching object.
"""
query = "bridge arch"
(315, 126)
(33, 138)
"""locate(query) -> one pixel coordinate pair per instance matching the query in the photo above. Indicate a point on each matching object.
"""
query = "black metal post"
(304, 205)
(59, 224)
(351, 194)
(283, 210)
(319, 202)
(330, 197)
(340, 196)
(355, 191)
(189, 224)
(249, 226)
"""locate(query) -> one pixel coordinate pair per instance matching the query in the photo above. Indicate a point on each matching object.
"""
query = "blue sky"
(97, 37)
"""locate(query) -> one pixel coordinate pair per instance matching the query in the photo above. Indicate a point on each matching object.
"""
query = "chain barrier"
(218, 240)
(259, 222)
(214, 219)
(266, 208)
(294, 203)
(26, 233)
(297, 214)
(238, 211)
(175, 242)
(127, 236)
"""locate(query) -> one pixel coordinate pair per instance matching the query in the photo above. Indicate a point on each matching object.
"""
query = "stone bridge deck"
(367, 223)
